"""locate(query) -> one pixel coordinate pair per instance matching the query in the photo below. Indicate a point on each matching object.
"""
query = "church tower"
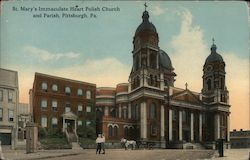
(151, 65)
(215, 96)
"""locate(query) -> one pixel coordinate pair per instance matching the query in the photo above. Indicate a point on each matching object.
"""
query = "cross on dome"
(145, 4)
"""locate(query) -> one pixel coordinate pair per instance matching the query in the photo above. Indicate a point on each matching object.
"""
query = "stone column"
(106, 111)
(162, 122)
(75, 126)
(162, 126)
(120, 111)
(170, 124)
(143, 121)
(64, 125)
(192, 126)
(180, 125)
(129, 111)
(216, 126)
(162, 81)
(200, 127)
(228, 128)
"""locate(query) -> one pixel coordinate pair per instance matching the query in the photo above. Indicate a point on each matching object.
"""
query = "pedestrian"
(98, 144)
(103, 144)
(1, 152)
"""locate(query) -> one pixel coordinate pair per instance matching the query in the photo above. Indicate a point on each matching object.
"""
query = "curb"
(47, 157)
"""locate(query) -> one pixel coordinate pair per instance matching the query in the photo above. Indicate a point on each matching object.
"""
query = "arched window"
(152, 60)
(54, 122)
(54, 87)
(115, 131)
(67, 90)
(136, 63)
(209, 84)
(151, 80)
(44, 86)
(79, 92)
(152, 111)
(126, 132)
(110, 131)
(113, 112)
(88, 94)
(131, 132)
(221, 83)
(137, 112)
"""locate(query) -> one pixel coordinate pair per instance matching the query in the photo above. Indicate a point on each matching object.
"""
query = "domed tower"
(149, 61)
(214, 76)
(215, 96)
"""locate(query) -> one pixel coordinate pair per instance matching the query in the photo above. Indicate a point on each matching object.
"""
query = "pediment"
(186, 96)
(69, 115)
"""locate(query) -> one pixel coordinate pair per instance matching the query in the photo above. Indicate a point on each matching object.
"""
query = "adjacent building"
(62, 104)
(9, 99)
(240, 139)
(23, 116)
(150, 108)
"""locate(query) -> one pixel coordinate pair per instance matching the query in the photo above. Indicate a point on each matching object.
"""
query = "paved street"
(142, 155)
(117, 154)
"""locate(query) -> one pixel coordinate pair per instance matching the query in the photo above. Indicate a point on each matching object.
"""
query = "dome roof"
(214, 56)
(165, 61)
(145, 25)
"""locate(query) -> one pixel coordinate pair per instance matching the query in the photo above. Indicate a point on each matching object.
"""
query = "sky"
(98, 50)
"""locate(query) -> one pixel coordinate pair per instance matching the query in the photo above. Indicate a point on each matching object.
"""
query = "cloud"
(189, 55)
(157, 10)
(46, 55)
(107, 72)
(189, 52)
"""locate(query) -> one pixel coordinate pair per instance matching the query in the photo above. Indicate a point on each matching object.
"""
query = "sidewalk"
(40, 154)
(234, 154)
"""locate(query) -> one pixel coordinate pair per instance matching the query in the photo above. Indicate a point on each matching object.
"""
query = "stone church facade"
(150, 108)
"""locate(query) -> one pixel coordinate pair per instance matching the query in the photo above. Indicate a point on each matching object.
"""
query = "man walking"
(103, 144)
(99, 143)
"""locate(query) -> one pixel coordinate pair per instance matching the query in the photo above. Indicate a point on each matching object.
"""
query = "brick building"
(149, 107)
(63, 104)
(240, 139)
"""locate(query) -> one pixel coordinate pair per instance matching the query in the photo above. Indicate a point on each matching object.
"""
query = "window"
(1, 95)
(10, 96)
(79, 92)
(44, 121)
(79, 123)
(110, 131)
(1, 114)
(88, 94)
(153, 130)
(126, 132)
(88, 109)
(11, 115)
(54, 88)
(152, 111)
(45, 86)
(174, 114)
(115, 131)
(67, 90)
(88, 123)
(44, 103)
(54, 122)
(137, 112)
(184, 116)
(54, 105)
(67, 107)
(209, 84)
(79, 108)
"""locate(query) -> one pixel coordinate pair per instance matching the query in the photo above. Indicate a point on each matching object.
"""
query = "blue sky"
(98, 50)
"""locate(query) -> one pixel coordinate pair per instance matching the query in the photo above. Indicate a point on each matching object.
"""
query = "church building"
(150, 108)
